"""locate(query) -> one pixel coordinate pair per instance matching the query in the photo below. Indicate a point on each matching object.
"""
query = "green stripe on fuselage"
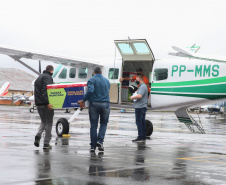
(193, 82)
(206, 96)
(213, 88)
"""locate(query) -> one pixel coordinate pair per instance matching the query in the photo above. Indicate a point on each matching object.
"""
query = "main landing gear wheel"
(62, 127)
(149, 128)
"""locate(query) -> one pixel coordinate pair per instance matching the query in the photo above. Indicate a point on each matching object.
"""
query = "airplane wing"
(189, 54)
(18, 54)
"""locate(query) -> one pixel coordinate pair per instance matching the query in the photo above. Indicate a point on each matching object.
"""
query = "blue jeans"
(96, 110)
(140, 114)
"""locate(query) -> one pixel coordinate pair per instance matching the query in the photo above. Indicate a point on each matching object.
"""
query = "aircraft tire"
(62, 127)
(149, 128)
(31, 110)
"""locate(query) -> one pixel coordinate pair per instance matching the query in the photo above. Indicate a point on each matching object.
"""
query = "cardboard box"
(66, 95)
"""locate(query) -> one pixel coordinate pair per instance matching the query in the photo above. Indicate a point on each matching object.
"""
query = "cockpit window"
(113, 73)
(125, 48)
(72, 72)
(82, 72)
(141, 48)
(63, 74)
(56, 71)
(160, 74)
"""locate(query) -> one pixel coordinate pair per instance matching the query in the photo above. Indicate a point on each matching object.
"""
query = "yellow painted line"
(203, 157)
(186, 158)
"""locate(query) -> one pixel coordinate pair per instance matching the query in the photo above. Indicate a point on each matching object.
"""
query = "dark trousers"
(46, 116)
(140, 114)
(98, 110)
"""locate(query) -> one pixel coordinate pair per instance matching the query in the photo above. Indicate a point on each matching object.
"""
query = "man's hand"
(121, 79)
(50, 107)
(131, 98)
(81, 103)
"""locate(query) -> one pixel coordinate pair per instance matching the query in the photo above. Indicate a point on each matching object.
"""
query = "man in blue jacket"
(99, 106)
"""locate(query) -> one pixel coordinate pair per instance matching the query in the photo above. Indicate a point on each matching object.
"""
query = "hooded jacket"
(40, 91)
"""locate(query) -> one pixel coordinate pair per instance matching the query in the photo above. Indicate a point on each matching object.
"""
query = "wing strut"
(17, 58)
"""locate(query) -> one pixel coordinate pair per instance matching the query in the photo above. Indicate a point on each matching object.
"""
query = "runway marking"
(13, 119)
(203, 157)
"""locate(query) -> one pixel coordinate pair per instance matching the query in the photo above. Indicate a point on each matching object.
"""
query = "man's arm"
(127, 79)
(87, 95)
(138, 96)
(47, 81)
(140, 93)
(89, 92)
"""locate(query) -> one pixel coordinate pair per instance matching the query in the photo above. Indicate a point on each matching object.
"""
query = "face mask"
(138, 73)
(137, 82)
(51, 74)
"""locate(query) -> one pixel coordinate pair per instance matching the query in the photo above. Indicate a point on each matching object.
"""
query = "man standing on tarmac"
(45, 109)
(140, 104)
(99, 106)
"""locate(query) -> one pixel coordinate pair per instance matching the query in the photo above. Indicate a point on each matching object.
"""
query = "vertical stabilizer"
(4, 89)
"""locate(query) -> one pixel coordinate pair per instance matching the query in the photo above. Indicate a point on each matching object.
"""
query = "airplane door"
(135, 50)
(135, 54)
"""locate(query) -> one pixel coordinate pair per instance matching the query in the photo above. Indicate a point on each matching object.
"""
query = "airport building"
(20, 83)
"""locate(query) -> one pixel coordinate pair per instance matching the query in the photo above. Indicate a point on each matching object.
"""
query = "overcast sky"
(87, 28)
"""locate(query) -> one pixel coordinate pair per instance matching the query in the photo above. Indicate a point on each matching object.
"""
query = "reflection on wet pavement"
(172, 155)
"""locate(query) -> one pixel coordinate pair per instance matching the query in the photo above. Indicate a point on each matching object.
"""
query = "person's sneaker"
(92, 150)
(138, 140)
(100, 147)
(47, 146)
(37, 141)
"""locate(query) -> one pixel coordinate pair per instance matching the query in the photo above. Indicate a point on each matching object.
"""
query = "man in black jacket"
(45, 109)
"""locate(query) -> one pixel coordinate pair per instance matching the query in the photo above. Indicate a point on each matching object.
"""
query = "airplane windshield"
(56, 71)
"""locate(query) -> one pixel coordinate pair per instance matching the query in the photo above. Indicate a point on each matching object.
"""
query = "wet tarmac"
(172, 155)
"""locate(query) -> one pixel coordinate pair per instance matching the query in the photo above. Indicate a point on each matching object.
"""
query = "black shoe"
(137, 140)
(100, 147)
(47, 146)
(92, 150)
(37, 141)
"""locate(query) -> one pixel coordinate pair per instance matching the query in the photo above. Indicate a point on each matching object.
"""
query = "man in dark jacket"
(45, 109)
(99, 107)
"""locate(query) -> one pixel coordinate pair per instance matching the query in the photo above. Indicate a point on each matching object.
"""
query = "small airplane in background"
(4, 89)
(17, 97)
(176, 84)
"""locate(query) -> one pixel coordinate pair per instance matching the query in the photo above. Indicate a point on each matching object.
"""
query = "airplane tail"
(191, 53)
(4, 89)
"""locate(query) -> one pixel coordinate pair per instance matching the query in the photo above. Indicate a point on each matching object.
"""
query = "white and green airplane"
(176, 84)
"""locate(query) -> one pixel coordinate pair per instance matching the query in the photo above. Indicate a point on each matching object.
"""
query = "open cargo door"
(135, 50)
(135, 54)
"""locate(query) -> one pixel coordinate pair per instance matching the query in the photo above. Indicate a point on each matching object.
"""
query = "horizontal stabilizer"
(189, 54)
